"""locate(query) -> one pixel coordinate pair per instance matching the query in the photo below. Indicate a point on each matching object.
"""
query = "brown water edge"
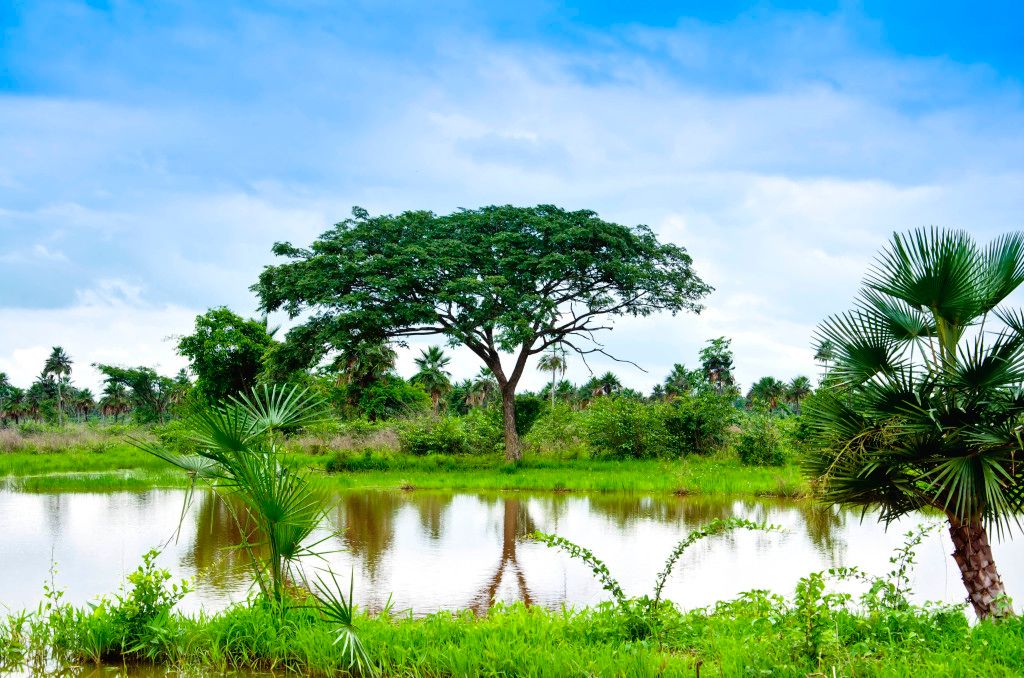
(428, 551)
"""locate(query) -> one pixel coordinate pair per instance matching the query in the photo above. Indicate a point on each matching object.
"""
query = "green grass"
(122, 467)
(689, 475)
(752, 636)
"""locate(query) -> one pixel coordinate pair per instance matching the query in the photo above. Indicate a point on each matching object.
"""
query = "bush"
(528, 408)
(623, 427)
(702, 423)
(175, 436)
(762, 442)
(391, 397)
(484, 431)
(559, 432)
(441, 435)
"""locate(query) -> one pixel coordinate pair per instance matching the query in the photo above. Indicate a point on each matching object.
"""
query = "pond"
(433, 551)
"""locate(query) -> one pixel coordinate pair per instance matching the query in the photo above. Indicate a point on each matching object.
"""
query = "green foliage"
(645, 616)
(762, 442)
(150, 395)
(716, 361)
(528, 408)
(432, 375)
(700, 423)
(923, 403)
(559, 432)
(767, 393)
(389, 397)
(434, 435)
(627, 428)
(135, 612)
(226, 352)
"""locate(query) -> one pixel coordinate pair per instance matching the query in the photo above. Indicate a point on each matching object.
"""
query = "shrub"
(762, 442)
(701, 424)
(559, 432)
(175, 436)
(483, 429)
(392, 397)
(428, 435)
(148, 599)
(528, 408)
(623, 427)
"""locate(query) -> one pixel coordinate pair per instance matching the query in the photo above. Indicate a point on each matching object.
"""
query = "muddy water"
(446, 551)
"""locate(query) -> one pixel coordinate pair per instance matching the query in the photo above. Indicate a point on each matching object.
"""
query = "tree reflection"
(367, 524)
(216, 555)
(516, 523)
(431, 509)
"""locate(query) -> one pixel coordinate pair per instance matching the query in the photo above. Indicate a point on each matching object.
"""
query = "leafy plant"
(341, 611)
(761, 442)
(644, 615)
(624, 428)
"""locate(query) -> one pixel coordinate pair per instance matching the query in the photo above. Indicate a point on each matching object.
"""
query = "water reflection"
(444, 551)
(516, 524)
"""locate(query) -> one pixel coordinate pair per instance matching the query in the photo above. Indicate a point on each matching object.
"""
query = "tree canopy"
(498, 280)
(225, 352)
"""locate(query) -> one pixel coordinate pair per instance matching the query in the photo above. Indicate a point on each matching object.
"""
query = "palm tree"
(554, 363)
(680, 381)
(432, 376)
(115, 400)
(239, 453)
(825, 353)
(767, 390)
(15, 406)
(83, 403)
(5, 394)
(924, 403)
(484, 388)
(608, 384)
(364, 362)
(798, 389)
(58, 366)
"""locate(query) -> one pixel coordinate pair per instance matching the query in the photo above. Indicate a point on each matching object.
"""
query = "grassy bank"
(122, 467)
(754, 635)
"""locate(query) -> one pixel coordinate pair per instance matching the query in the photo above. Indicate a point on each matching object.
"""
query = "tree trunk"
(513, 450)
(973, 555)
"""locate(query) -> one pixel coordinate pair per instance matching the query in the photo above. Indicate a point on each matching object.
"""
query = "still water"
(448, 551)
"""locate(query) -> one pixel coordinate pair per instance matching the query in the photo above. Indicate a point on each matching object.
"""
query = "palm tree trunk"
(60, 406)
(973, 555)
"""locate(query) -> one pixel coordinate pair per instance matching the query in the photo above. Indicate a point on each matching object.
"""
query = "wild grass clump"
(349, 436)
(45, 439)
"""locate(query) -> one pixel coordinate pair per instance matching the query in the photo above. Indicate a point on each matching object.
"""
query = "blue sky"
(150, 153)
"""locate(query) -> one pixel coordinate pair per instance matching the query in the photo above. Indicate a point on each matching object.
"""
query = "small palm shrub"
(762, 442)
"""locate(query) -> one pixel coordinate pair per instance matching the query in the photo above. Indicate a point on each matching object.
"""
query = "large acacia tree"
(506, 282)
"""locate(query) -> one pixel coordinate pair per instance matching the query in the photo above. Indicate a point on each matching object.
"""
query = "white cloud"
(109, 324)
